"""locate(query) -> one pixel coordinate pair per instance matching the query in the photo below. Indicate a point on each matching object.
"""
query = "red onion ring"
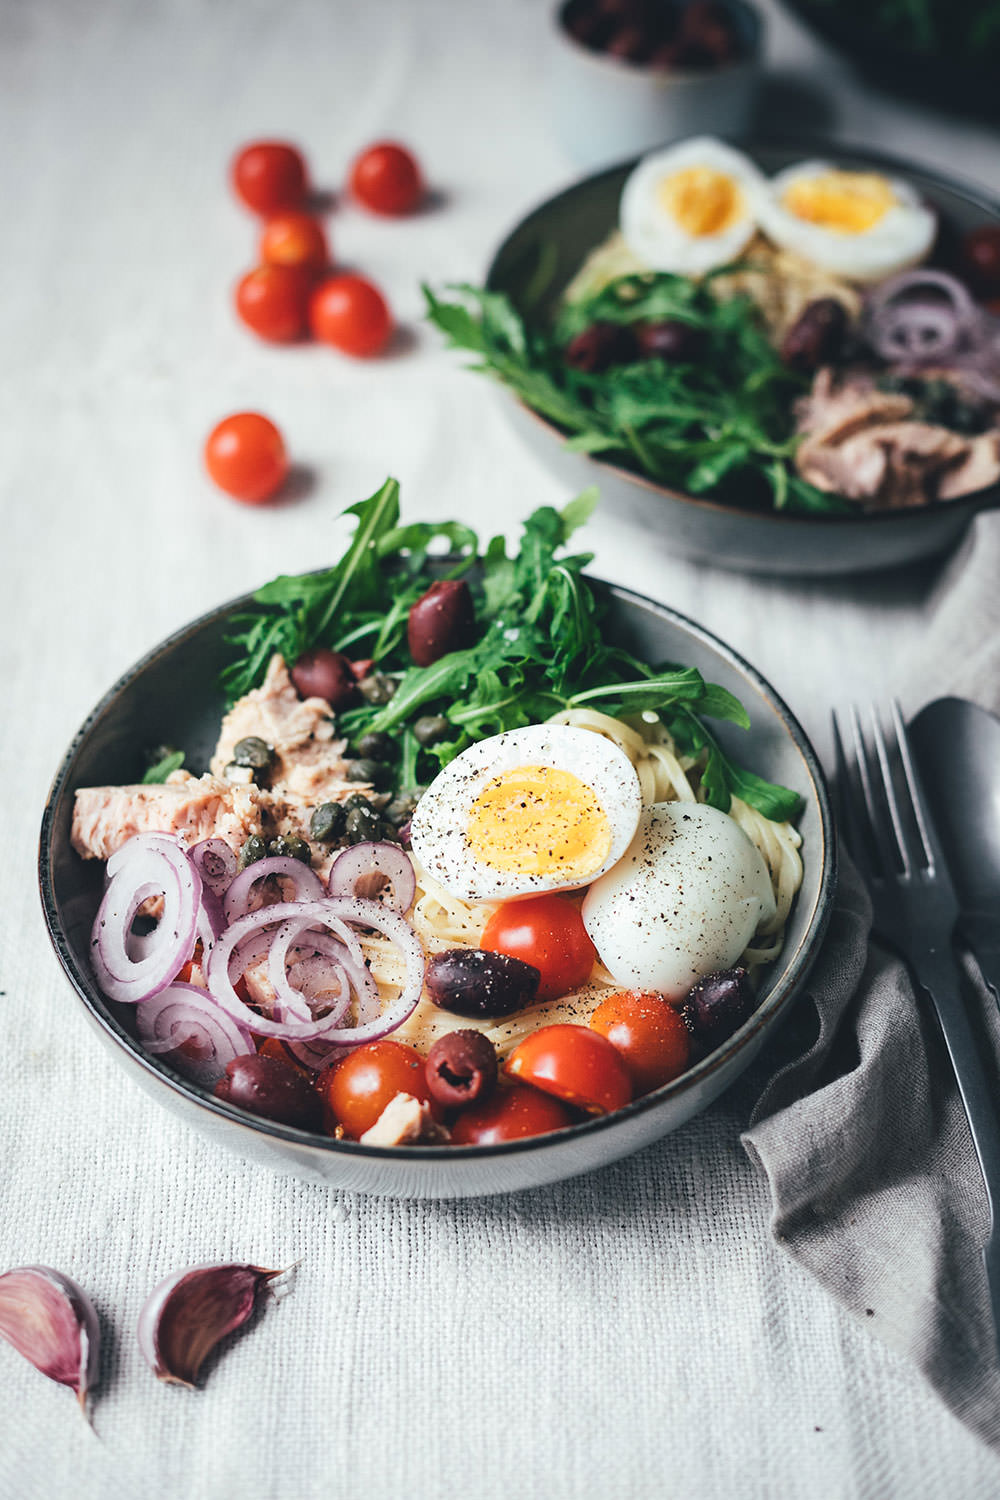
(291, 998)
(215, 863)
(308, 886)
(181, 1014)
(367, 914)
(149, 864)
(917, 329)
(353, 870)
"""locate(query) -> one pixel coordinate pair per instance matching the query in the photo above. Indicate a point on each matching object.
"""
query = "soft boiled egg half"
(861, 225)
(691, 207)
(546, 808)
(685, 900)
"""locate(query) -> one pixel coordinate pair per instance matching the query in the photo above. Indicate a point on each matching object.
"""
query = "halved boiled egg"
(546, 808)
(691, 207)
(685, 900)
(862, 225)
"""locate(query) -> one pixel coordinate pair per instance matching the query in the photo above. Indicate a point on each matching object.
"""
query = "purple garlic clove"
(46, 1317)
(192, 1311)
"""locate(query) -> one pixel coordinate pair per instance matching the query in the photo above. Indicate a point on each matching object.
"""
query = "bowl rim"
(796, 963)
(977, 196)
(749, 19)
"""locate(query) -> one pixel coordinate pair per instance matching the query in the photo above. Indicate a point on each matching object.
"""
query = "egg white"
(657, 238)
(685, 899)
(902, 237)
(438, 833)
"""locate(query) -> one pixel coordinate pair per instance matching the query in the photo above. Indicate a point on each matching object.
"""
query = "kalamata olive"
(290, 846)
(327, 822)
(375, 772)
(430, 729)
(631, 43)
(475, 982)
(600, 346)
(979, 258)
(442, 620)
(816, 336)
(254, 849)
(671, 339)
(376, 745)
(254, 752)
(461, 1068)
(363, 826)
(718, 1005)
(376, 688)
(266, 1086)
(324, 674)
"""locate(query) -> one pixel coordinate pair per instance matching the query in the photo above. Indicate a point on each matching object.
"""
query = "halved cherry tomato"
(245, 455)
(576, 1064)
(357, 1090)
(546, 931)
(274, 302)
(294, 239)
(649, 1035)
(351, 314)
(511, 1112)
(269, 176)
(386, 178)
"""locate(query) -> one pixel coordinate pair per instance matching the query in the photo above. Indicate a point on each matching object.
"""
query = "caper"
(327, 822)
(290, 846)
(363, 825)
(431, 728)
(376, 688)
(376, 745)
(253, 752)
(400, 809)
(356, 799)
(375, 772)
(253, 850)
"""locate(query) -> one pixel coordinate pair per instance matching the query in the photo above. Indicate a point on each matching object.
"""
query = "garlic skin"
(191, 1311)
(51, 1321)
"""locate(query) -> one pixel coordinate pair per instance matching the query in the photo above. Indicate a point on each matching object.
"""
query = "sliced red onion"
(905, 324)
(292, 999)
(183, 1016)
(307, 884)
(367, 914)
(362, 870)
(314, 1055)
(215, 863)
(149, 864)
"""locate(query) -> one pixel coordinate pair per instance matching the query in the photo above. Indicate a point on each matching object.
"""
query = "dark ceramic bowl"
(170, 696)
(561, 233)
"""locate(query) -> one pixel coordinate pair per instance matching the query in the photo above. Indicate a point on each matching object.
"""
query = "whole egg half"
(546, 808)
(691, 207)
(684, 901)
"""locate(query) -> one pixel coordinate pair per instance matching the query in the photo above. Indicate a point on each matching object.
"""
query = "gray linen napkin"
(861, 1133)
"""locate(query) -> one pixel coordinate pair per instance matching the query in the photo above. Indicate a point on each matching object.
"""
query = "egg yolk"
(846, 202)
(702, 200)
(539, 820)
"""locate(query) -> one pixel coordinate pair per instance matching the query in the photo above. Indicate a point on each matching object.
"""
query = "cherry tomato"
(274, 302)
(546, 931)
(648, 1034)
(357, 1090)
(576, 1064)
(245, 455)
(351, 314)
(294, 239)
(387, 179)
(980, 258)
(269, 176)
(509, 1114)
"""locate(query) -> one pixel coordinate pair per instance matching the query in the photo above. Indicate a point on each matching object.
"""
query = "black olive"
(253, 752)
(327, 822)
(670, 339)
(816, 336)
(461, 1069)
(254, 849)
(477, 982)
(376, 745)
(601, 345)
(718, 1005)
(431, 729)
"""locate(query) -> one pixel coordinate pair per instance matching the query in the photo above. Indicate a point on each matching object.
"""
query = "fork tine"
(858, 836)
(928, 839)
(874, 799)
(889, 793)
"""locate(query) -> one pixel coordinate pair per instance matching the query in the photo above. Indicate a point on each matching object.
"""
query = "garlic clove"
(51, 1321)
(191, 1311)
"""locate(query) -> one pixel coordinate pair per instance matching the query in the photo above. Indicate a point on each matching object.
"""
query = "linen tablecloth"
(635, 1332)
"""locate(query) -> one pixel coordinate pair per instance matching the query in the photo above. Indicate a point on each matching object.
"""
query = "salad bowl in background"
(559, 234)
(171, 695)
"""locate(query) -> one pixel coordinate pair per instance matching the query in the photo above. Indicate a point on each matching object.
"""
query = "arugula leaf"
(164, 768)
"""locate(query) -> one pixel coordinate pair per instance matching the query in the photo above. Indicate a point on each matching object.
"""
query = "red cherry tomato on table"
(648, 1034)
(294, 239)
(575, 1064)
(510, 1114)
(351, 314)
(274, 302)
(269, 176)
(386, 178)
(357, 1090)
(245, 455)
(548, 932)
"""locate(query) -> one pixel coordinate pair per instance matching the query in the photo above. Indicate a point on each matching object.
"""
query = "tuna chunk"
(192, 808)
(403, 1122)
